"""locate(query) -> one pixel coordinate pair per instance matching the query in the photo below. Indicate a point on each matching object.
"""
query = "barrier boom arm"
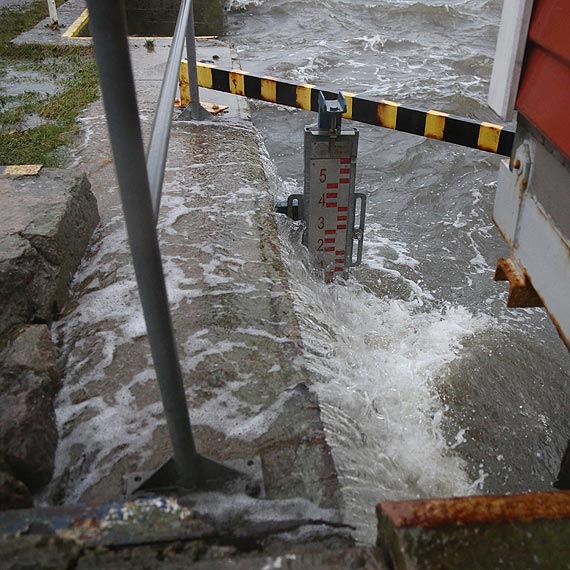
(432, 124)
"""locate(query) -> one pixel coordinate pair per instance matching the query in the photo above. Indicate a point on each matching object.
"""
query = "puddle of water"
(20, 81)
(23, 87)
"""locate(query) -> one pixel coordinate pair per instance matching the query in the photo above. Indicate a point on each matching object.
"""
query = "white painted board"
(509, 55)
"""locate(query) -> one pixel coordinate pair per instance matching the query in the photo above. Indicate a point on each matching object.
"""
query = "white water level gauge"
(333, 213)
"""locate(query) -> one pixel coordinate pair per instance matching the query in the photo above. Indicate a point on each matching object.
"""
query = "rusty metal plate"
(521, 292)
(489, 509)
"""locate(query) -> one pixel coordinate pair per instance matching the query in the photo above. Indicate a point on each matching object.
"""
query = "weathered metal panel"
(545, 255)
(531, 207)
(550, 183)
(507, 202)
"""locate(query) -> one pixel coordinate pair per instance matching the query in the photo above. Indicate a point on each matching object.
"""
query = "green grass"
(73, 71)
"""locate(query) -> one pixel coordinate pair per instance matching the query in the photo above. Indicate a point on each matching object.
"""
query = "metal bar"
(109, 29)
(160, 135)
(426, 123)
(195, 107)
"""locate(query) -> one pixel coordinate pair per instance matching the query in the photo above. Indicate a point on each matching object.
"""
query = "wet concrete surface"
(238, 337)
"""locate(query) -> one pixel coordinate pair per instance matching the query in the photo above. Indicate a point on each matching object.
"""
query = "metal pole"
(160, 135)
(52, 13)
(196, 110)
(108, 26)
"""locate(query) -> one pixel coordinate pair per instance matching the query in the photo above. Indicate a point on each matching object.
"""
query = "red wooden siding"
(544, 92)
(550, 27)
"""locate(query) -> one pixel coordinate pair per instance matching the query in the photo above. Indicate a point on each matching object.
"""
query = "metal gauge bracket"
(292, 207)
(330, 113)
(295, 210)
(358, 232)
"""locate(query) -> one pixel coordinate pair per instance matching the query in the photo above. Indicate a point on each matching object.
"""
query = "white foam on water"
(378, 360)
(97, 421)
(238, 5)
(104, 415)
(227, 412)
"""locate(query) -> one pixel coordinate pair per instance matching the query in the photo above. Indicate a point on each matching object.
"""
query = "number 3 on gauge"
(323, 175)
(321, 223)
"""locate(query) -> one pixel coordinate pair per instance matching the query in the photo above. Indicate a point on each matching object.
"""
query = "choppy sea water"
(429, 385)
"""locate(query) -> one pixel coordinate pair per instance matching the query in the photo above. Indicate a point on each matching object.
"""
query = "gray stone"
(355, 558)
(28, 435)
(23, 276)
(46, 222)
(291, 559)
(29, 358)
(13, 493)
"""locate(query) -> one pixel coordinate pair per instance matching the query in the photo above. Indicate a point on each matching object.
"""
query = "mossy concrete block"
(46, 222)
(514, 532)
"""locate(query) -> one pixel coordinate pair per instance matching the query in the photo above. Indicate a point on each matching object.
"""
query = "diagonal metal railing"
(140, 181)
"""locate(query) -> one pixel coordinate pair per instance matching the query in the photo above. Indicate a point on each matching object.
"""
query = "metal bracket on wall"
(243, 476)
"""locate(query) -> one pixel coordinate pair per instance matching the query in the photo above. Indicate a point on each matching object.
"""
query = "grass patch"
(72, 71)
(19, 19)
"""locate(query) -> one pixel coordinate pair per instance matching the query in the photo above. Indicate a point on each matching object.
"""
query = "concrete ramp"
(238, 337)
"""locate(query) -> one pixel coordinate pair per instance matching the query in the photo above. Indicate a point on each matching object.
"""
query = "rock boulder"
(28, 435)
(13, 493)
(46, 222)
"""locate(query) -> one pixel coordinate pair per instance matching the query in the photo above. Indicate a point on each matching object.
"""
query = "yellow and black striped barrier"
(432, 124)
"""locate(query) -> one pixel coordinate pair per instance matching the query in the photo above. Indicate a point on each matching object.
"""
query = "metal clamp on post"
(330, 113)
(328, 205)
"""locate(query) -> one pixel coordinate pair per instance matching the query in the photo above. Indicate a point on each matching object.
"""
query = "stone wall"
(158, 17)
(210, 17)
(46, 222)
